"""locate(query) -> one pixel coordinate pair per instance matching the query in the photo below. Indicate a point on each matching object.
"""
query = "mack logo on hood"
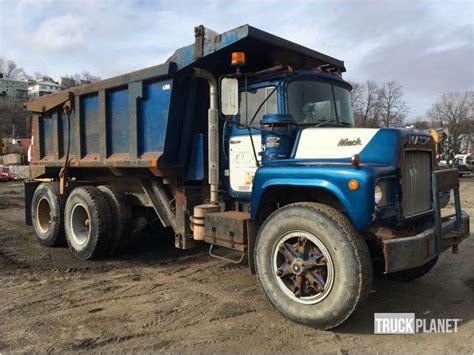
(419, 140)
(346, 142)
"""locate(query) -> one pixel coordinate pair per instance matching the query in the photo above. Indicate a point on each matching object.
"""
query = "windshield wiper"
(321, 122)
(347, 124)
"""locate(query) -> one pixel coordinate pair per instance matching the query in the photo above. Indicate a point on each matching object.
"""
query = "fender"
(358, 205)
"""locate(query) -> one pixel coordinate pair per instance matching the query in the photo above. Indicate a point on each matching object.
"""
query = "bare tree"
(364, 103)
(80, 78)
(86, 76)
(10, 70)
(454, 111)
(421, 122)
(14, 116)
(357, 96)
(391, 108)
(369, 114)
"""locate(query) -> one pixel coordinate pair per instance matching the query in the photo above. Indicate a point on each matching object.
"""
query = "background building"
(13, 88)
(44, 86)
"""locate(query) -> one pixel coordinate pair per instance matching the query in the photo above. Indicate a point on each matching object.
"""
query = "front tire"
(312, 264)
(88, 223)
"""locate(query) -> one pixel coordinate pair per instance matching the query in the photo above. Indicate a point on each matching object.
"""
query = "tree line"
(378, 105)
(384, 105)
(12, 71)
(453, 112)
(14, 120)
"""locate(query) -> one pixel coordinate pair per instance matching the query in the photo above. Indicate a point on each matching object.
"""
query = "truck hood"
(375, 146)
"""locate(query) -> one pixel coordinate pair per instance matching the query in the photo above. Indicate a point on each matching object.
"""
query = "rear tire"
(332, 253)
(47, 214)
(121, 215)
(88, 223)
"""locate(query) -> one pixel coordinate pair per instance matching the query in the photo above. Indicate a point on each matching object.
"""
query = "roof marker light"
(238, 59)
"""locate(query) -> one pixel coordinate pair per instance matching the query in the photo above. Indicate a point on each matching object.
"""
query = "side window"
(255, 99)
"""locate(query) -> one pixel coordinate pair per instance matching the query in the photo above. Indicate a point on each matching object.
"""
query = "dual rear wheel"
(88, 223)
(93, 220)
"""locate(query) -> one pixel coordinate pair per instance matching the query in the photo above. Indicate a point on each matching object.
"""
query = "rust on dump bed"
(48, 102)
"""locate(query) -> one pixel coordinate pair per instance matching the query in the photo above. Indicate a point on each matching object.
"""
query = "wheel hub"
(303, 267)
(298, 267)
(80, 225)
(43, 215)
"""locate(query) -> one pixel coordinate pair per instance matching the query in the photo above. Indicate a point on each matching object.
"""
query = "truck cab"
(244, 141)
(310, 98)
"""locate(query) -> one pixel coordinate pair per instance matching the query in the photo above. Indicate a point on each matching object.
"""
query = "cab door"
(245, 139)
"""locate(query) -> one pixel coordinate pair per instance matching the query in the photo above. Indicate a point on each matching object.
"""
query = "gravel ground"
(154, 297)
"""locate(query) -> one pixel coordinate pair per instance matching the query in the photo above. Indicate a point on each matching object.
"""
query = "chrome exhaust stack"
(200, 211)
(213, 134)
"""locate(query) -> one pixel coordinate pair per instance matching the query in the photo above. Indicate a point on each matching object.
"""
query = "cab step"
(228, 229)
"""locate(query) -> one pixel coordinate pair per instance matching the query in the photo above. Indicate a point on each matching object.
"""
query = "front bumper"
(410, 252)
(407, 252)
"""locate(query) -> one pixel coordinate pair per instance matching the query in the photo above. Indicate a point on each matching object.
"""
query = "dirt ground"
(154, 297)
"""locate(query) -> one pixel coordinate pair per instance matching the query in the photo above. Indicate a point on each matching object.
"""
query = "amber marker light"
(353, 184)
(238, 58)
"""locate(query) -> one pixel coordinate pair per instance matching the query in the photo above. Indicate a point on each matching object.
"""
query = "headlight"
(377, 194)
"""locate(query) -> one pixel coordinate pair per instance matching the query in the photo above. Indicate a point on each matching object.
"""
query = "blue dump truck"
(244, 141)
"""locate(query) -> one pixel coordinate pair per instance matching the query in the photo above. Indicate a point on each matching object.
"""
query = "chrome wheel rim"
(302, 267)
(80, 225)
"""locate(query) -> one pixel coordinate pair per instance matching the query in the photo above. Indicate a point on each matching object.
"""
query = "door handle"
(234, 142)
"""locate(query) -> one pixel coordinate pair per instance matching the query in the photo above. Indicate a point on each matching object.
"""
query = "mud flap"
(252, 229)
(30, 187)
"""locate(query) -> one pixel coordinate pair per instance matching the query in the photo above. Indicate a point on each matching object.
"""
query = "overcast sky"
(427, 46)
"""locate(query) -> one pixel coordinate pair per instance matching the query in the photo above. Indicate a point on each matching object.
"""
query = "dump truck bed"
(151, 117)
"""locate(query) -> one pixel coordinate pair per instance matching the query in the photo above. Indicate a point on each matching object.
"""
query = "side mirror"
(230, 96)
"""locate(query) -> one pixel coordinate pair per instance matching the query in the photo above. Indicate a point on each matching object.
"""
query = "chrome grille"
(416, 182)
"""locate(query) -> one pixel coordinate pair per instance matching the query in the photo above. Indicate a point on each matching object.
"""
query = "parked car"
(464, 163)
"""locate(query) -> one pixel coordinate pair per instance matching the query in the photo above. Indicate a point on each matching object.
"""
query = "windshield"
(255, 98)
(314, 102)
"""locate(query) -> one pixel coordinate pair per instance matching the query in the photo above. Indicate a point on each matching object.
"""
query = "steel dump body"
(152, 117)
